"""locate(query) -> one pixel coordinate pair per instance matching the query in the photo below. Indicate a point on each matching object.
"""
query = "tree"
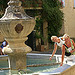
(54, 16)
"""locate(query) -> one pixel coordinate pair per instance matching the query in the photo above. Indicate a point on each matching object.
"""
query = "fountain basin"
(39, 59)
(66, 69)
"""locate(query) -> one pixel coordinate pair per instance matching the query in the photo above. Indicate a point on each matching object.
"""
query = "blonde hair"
(53, 37)
(65, 35)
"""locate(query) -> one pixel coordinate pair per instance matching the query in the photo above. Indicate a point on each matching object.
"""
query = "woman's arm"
(54, 51)
(63, 54)
(74, 47)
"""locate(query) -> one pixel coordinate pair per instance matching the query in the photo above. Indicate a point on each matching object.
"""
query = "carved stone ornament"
(18, 28)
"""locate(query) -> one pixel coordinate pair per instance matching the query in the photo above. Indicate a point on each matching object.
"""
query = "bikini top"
(61, 42)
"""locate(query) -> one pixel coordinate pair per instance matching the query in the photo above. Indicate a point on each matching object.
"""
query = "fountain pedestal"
(18, 56)
(15, 26)
(18, 61)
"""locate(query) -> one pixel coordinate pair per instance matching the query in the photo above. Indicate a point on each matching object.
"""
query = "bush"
(54, 16)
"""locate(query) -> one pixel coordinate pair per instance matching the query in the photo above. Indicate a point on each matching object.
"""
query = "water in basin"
(31, 60)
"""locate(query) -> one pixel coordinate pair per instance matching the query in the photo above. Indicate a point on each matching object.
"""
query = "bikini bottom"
(67, 53)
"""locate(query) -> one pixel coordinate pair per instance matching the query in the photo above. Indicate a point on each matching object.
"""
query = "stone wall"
(69, 18)
(70, 71)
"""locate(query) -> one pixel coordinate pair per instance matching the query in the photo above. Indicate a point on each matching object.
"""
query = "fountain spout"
(15, 26)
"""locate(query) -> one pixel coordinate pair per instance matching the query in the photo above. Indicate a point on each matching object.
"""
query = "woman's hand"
(72, 51)
(61, 64)
(50, 58)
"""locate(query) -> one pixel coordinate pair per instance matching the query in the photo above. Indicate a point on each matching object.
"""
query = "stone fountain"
(15, 26)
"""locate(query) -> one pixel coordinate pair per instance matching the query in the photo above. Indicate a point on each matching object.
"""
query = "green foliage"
(3, 4)
(53, 15)
(38, 27)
